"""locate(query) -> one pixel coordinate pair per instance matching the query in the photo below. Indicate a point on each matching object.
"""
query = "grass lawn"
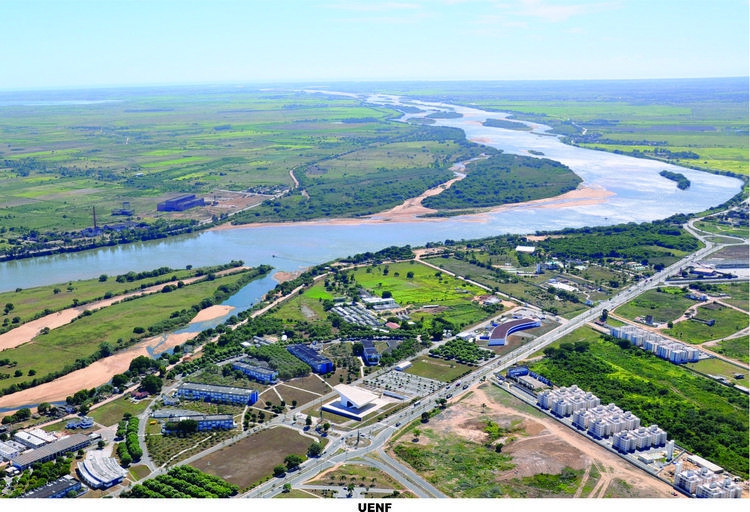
(715, 366)
(663, 306)
(736, 348)
(361, 475)
(296, 493)
(112, 413)
(138, 472)
(728, 322)
(173, 448)
(416, 285)
(438, 369)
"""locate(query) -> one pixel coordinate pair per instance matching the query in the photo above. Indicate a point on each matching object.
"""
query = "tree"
(315, 449)
(604, 315)
(9, 307)
(279, 471)
(152, 384)
(101, 444)
(308, 420)
(326, 426)
(120, 380)
(425, 417)
(293, 461)
(102, 278)
(287, 487)
(43, 407)
(387, 294)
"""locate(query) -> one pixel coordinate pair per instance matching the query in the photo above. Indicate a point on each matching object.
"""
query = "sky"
(71, 43)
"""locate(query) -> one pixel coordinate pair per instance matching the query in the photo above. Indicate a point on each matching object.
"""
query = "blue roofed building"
(318, 363)
(258, 370)
(213, 393)
(371, 356)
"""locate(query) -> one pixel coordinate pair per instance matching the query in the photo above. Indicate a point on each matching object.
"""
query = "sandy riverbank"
(100, 372)
(411, 209)
(96, 374)
(211, 313)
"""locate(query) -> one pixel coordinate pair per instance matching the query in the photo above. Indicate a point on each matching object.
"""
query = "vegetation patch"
(503, 179)
(695, 411)
(460, 468)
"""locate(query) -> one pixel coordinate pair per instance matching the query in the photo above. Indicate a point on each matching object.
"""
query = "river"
(638, 194)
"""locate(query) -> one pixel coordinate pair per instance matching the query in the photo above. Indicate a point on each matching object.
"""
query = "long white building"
(673, 351)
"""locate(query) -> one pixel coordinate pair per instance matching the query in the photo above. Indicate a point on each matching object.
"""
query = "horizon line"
(318, 83)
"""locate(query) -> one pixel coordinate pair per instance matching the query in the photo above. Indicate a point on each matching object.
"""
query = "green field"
(59, 162)
(728, 321)
(438, 369)
(34, 302)
(736, 348)
(715, 366)
(111, 413)
(663, 306)
(426, 287)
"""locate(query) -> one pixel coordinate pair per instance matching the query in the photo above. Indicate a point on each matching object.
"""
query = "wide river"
(638, 194)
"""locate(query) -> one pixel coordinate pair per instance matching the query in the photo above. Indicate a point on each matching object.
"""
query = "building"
(28, 440)
(204, 421)
(56, 489)
(318, 363)
(722, 489)
(528, 249)
(8, 451)
(665, 348)
(51, 451)
(212, 393)
(403, 365)
(180, 203)
(353, 402)
(43, 435)
(371, 356)
(256, 370)
(689, 481)
(500, 333)
(100, 472)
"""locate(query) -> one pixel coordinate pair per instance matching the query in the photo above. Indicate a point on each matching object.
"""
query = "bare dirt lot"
(254, 457)
(539, 444)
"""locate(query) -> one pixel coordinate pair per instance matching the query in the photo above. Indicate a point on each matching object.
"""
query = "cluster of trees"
(130, 451)
(183, 482)
(27, 247)
(505, 179)
(682, 181)
(38, 475)
(21, 414)
(291, 462)
(462, 351)
(391, 253)
(638, 242)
